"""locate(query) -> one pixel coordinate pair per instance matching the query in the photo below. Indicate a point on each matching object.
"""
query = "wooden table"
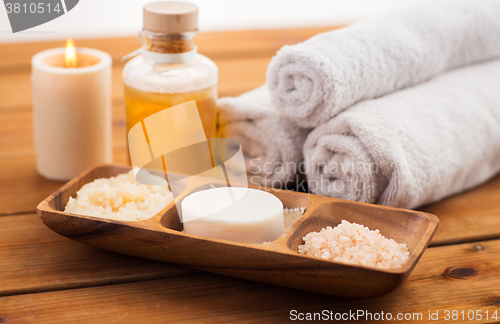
(46, 278)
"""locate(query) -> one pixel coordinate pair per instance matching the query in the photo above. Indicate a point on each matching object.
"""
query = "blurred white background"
(109, 18)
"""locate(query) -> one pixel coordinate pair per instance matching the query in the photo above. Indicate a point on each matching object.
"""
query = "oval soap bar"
(234, 214)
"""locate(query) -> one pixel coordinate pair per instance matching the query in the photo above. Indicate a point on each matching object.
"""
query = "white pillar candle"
(234, 214)
(71, 112)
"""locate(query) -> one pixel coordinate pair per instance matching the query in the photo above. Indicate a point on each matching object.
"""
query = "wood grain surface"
(46, 278)
(33, 259)
(456, 277)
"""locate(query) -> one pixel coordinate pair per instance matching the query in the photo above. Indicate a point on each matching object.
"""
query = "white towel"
(414, 146)
(271, 143)
(313, 81)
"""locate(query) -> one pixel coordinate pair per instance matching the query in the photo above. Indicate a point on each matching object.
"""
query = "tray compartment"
(171, 220)
(290, 200)
(60, 197)
(404, 226)
(400, 225)
(58, 200)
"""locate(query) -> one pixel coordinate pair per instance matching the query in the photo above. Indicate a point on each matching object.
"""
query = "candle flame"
(70, 59)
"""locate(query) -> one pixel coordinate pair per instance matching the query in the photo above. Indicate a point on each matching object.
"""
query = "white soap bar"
(235, 214)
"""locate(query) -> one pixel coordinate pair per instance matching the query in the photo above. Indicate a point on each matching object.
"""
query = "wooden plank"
(239, 75)
(470, 216)
(17, 57)
(236, 75)
(22, 189)
(16, 132)
(459, 277)
(34, 259)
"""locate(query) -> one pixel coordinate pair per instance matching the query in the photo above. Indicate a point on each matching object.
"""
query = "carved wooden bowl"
(161, 238)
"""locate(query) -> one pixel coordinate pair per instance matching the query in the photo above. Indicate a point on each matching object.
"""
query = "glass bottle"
(170, 71)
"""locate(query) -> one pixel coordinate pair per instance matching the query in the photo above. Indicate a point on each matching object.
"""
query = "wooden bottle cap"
(170, 17)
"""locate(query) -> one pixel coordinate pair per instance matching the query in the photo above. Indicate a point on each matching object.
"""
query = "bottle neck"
(169, 43)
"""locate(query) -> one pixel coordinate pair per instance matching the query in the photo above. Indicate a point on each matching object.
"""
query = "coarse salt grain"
(294, 211)
(291, 215)
(356, 244)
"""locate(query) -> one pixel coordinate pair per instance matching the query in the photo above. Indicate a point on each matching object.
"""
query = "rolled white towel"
(271, 143)
(313, 81)
(414, 146)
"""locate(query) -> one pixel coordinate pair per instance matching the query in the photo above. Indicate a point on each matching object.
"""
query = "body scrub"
(356, 244)
(120, 198)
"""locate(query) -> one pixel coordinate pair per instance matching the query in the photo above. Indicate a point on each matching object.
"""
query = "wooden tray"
(161, 238)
